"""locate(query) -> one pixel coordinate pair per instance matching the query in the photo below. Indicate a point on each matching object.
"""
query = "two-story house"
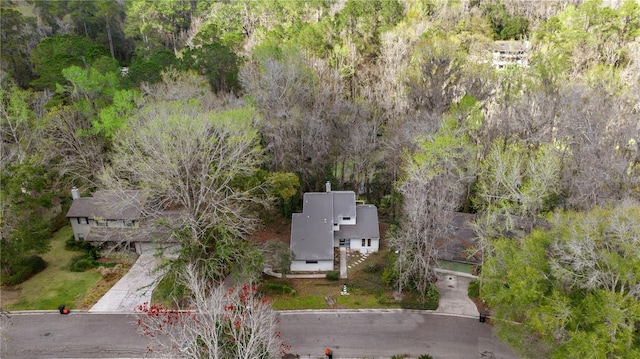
(328, 220)
(114, 218)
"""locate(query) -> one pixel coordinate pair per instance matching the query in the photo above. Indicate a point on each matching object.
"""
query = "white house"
(113, 218)
(328, 220)
(507, 53)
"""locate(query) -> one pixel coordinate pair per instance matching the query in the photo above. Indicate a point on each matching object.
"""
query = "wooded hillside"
(507, 109)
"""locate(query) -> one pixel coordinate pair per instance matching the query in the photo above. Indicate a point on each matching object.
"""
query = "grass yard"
(364, 284)
(312, 294)
(57, 284)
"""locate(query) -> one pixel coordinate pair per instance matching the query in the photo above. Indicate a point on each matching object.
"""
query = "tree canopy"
(510, 110)
(573, 290)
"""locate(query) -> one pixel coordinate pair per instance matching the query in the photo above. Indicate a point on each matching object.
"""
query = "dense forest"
(222, 107)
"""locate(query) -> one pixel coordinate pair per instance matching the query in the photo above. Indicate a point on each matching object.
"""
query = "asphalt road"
(371, 334)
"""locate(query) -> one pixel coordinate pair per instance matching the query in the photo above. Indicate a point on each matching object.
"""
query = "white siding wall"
(303, 266)
(79, 228)
(356, 245)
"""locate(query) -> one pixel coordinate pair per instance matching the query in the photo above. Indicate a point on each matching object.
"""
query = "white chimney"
(328, 185)
(75, 193)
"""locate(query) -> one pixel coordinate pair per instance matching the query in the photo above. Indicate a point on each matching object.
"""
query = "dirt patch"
(10, 295)
(110, 276)
(277, 229)
(482, 308)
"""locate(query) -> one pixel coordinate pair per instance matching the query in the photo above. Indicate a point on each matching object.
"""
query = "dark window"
(82, 220)
(81, 236)
(363, 242)
(369, 242)
(311, 262)
(347, 218)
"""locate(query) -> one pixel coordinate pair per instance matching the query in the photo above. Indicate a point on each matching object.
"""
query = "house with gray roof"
(330, 220)
(111, 218)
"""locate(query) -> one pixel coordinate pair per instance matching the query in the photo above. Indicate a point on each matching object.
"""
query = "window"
(363, 242)
(82, 220)
(369, 242)
(311, 262)
(100, 223)
(81, 236)
(346, 218)
(128, 223)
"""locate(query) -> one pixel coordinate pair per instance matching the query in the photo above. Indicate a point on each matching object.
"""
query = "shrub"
(425, 356)
(474, 289)
(168, 292)
(277, 288)
(25, 269)
(95, 252)
(412, 300)
(72, 245)
(82, 265)
(374, 267)
(333, 275)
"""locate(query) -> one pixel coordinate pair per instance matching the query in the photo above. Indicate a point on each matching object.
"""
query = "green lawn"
(56, 284)
(364, 284)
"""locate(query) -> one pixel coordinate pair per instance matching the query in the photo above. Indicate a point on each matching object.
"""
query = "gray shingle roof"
(366, 224)
(108, 205)
(344, 205)
(312, 230)
(312, 236)
(146, 232)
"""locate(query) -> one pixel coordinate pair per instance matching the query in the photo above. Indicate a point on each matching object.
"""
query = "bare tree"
(278, 255)
(599, 130)
(297, 112)
(21, 124)
(599, 252)
(196, 164)
(188, 85)
(71, 147)
(219, 323)
(427, 209)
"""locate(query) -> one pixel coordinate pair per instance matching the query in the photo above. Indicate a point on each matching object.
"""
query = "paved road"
(378, 334)
(350, 334)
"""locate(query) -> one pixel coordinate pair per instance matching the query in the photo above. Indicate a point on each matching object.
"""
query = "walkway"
(134, 288)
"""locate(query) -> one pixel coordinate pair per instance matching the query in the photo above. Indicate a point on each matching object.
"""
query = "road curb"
(281, 312)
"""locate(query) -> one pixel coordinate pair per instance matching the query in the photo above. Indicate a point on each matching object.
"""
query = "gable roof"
(366, 226)
(344, 205)
(108, 205)
(147, 231)
(312, 230)
(460, 238)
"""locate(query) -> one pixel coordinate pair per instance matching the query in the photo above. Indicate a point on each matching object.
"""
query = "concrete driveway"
(454, 298)
(134, 288)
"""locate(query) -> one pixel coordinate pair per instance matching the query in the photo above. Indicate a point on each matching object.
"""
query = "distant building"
(507, 53)
(115, 218)
(328, 220)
